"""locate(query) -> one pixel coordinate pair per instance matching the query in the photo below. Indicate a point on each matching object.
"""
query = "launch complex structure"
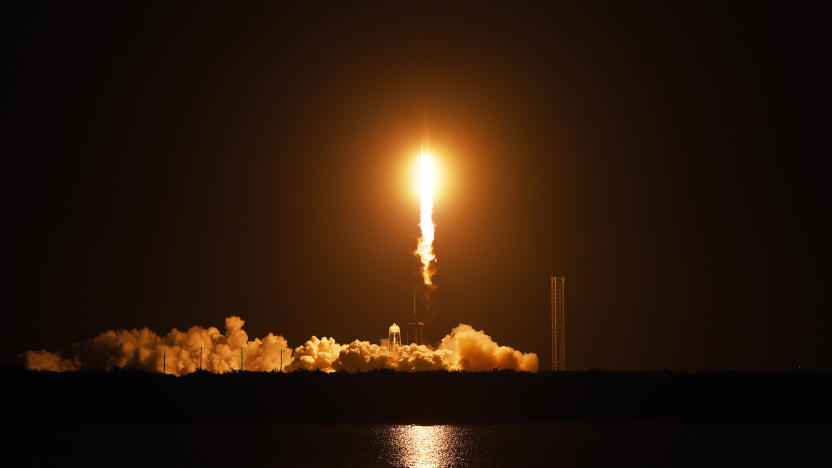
(558, 324)
(412, 331)
(413, 327)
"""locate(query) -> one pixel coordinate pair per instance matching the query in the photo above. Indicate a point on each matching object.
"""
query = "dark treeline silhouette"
(133, 397)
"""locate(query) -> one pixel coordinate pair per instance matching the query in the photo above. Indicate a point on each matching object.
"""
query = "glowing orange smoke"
(427, 187)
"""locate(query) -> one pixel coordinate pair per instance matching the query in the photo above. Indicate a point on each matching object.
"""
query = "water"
(567, 444)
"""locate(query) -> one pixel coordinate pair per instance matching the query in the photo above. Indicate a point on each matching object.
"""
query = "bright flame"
(427, 188)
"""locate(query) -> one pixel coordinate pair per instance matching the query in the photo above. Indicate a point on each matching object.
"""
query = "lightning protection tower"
(558, 324)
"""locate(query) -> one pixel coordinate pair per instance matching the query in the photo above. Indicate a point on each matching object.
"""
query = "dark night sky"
(176, 165)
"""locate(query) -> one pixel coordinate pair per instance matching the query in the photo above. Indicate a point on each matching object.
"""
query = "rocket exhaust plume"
(427, 186)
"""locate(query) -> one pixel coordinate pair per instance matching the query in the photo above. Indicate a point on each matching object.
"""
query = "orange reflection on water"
(425, 445)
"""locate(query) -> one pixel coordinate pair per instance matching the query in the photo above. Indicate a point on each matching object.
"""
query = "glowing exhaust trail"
(427, 187)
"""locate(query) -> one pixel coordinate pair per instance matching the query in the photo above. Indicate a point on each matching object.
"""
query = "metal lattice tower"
(558, 324)
(413, 327)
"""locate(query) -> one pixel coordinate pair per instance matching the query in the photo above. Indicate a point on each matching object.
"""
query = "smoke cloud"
(463, 349)
(177, 352)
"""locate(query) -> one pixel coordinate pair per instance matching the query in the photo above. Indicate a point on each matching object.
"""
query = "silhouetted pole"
(414, 313)
(241, 359)
(82, 351)
(165, 362)
(200, 358)
(281, 359)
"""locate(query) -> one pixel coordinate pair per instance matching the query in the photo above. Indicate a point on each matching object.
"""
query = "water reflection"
(426, 445)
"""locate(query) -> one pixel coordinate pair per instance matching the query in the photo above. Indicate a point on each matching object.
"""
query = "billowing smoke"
(176, 353)
(463, 349)
(44, 360)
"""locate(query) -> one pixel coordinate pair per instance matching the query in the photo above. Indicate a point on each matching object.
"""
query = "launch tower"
(558, 324)
(413, 326)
